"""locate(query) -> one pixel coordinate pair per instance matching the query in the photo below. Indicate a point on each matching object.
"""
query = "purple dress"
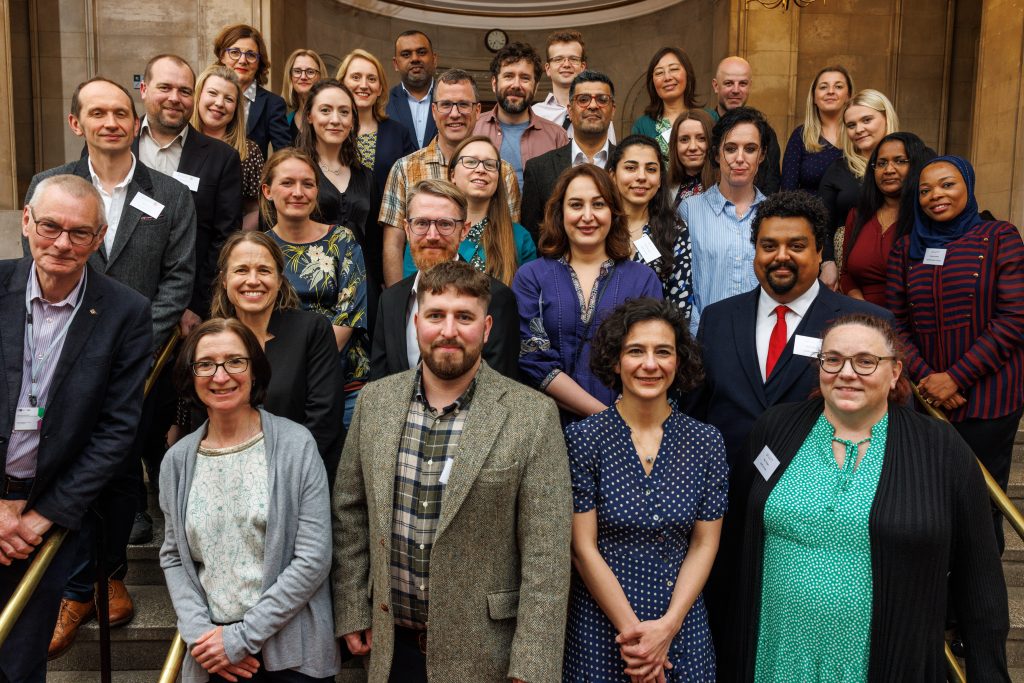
(803, 170)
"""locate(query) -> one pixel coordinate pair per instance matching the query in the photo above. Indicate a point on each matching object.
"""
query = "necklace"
(328, 169)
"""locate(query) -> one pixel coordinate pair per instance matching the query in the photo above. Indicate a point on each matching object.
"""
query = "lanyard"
(36, 367)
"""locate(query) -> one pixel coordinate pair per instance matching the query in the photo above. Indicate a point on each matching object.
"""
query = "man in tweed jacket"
(453, 499)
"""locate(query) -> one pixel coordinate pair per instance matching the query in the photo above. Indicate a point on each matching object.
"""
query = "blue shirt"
(420, 111)
(723, 255)
(511, 135)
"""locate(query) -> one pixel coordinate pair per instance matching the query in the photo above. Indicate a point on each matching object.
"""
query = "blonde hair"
(234, 134)
(291, 97)
(872, 99)
(380, 106)
(812, 117)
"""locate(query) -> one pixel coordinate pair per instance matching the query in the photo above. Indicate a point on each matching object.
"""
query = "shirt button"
(425, 503)
(661, 539)
(50, 320)
(657, 518)
(668, 583)
(423, 587)
(430, 462)
(383, 608)
(40, 356)
(648, 492)
(422, 546)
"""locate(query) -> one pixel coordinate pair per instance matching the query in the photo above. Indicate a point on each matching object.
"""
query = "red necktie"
(777, 342)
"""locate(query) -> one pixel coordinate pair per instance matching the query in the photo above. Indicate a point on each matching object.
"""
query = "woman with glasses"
(323, 262)
(672, 89)
(381, 141)
(241, 49)
(862, 517)
(247, 573)
(690, 171)
(303, 68)
(878, 220)
(956, 287)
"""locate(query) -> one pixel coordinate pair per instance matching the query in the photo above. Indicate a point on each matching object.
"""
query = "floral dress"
(329, 276)
(677, 283)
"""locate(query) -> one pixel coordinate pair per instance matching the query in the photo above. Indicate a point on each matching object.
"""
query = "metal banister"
(175, 658)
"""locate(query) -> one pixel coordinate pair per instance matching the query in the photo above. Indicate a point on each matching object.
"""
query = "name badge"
(806, 346)
(189, 181)
(147, 205)
(766, 463)
(645, 247)
(443, 479)
(934, 257)
(28, 419)
(667, 133)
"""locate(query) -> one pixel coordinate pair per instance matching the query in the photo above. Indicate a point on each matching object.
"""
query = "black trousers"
(409, 662)
(992, 442)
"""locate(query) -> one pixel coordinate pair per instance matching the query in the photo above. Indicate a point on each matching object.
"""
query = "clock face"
(496, 39)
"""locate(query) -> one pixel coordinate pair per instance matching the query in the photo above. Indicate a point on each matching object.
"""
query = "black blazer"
(95, 397)
(267, 121)
(218, 204)
(394, 141)
(389, 353)
(398, 109)
(539, 177)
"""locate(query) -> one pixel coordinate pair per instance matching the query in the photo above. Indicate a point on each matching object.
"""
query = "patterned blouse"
(677, 282)
(329, 276)
(366, 145)
(252, 169)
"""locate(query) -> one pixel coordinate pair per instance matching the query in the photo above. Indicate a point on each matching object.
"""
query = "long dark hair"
(655, 108)
(348, 155)
(661, 219)
(554, 243)
(871, 198)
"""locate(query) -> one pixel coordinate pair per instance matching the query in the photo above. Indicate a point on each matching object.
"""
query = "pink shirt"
(539, 137)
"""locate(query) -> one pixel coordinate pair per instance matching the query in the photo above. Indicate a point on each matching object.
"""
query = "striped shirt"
(723, 255)
(428, 444)
(48, 321)
(965, 317)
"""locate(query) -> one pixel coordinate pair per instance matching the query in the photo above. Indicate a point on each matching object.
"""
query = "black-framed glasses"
(237, 53)
(584, 100)
(898, 162)
(444, 226)
(232, 366)
(308, 73)
(491, 165)
(51, 231)
(445, 106)
(863, 364)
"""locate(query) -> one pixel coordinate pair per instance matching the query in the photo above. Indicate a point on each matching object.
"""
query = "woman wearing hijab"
(956, 287)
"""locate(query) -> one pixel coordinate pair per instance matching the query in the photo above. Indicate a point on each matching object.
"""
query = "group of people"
(501, 396)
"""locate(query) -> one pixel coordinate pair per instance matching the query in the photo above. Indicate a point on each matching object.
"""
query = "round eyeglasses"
(232, 366)
(444, 226)
(863, 364)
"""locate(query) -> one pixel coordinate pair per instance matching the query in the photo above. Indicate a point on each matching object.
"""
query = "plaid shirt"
(429, 164)
(428, 443)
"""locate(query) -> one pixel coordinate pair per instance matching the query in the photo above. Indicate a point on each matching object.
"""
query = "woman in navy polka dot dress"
(649, 491)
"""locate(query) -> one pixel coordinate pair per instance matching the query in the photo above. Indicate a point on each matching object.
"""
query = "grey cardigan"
(292, 623)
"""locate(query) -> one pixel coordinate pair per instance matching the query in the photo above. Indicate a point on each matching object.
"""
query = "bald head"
(732, 83)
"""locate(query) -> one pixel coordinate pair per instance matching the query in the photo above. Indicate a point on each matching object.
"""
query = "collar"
(713, 196)
(461, 403)
(35, 291)
(766, 304)
(124, 181)
(428, 97)
(552, 101)
(575, 152)
(144, 130)
(432, 152)
(492, 117)
(250, 92)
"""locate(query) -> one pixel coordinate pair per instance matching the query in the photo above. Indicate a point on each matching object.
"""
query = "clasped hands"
(19, 533)
(939, 390)
(644, 647)
(209, 653)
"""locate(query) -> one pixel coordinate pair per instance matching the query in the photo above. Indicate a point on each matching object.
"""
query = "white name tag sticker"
(147, 205)
(806, 346)
(189, 181)
(28, 419)
(934, 257)
(645, 247)
(667, 133)
(443, 479)
(766, 463)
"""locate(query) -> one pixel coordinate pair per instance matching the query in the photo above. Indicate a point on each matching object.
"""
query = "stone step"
(94, 676)
(144, 560)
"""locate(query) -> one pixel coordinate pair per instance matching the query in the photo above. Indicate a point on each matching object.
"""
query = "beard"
(427, 259)
(781, 287)
(449, 365)
(510, 107)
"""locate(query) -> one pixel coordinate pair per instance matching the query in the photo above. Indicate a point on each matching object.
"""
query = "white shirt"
(420, 110)
(412, 344)
(766, 319)
(163, 158)
(551, 110)
(113, 202)
(248, 97)
(578, 157)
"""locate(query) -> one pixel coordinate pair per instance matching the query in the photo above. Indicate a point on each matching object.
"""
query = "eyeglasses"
(472, 162)
(308, 73)
(863, 363)
(572, 59)
(232, 366)
(51, 231)
(584, 100)
(236, 54)
(898, 162)
(445, 106)
(444, 226)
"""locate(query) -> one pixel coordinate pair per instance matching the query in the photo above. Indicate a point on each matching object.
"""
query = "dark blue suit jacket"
(394, 141)
(96, 394)
(268, 121)
(398, 109)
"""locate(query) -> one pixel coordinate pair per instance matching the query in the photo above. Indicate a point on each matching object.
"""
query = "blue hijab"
(932, 234)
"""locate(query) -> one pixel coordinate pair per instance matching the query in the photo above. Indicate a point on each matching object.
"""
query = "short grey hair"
(456, 76)
(79, 188)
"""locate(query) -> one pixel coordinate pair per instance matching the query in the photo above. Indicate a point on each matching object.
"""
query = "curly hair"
(901, 392)
(793, 204)
(606, 349)
(517, 52)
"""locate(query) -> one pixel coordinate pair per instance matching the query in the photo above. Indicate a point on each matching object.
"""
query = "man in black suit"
(69, 398)
(758, 350)
(591, 109)
(435, 225)
(409, 102)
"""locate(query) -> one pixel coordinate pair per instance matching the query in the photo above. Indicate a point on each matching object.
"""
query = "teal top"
(658, 130)
(471, 250)
(817, 587)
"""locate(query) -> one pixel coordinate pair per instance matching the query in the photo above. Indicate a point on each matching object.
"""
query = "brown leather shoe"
(72, 615)
(121, 608)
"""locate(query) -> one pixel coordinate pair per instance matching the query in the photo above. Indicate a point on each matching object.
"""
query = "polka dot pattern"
(817, 586)
(644, 524)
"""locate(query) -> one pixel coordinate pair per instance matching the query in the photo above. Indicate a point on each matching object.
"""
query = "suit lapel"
(130, 216)
(392, 411)
(193, 153)
(402, 111)
(12, 334)
(255, 111)
(395, 321)
(81, 328)
(791, 367)
(745, 334)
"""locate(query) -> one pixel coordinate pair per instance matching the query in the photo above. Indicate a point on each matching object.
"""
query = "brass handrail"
(175, 658)
(161, 360)
(956, 674)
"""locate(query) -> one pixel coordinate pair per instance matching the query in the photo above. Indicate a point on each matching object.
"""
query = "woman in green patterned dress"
(858, 510)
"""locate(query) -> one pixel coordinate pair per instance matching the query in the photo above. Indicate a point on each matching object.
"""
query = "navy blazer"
(394, 141)
(398, 109)
(267, 121)
(95, 396)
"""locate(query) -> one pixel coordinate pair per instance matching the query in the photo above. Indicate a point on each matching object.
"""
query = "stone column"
(8, 167)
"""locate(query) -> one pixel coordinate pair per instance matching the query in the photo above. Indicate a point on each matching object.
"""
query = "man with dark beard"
(435, 224)
(759, 350)
(453, 499)
(512, 126)
(409, 102)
